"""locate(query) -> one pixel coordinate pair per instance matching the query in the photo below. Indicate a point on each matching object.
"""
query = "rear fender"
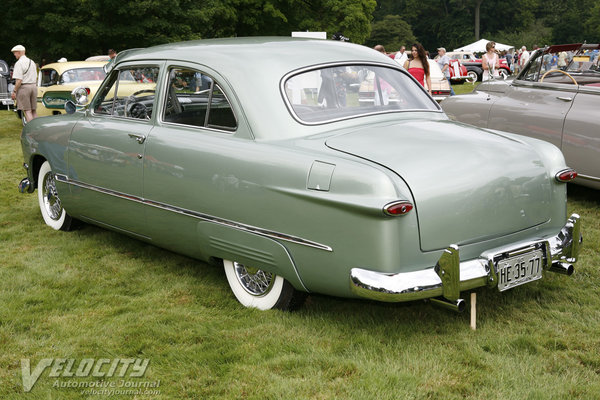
(249, 249)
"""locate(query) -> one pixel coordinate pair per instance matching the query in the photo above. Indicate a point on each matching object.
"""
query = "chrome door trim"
(589, 178)
(204, 217)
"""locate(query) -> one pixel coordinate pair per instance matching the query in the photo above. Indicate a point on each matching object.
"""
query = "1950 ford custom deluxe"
(317, 166)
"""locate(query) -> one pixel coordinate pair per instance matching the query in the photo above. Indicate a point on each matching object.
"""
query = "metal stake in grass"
(473, 311)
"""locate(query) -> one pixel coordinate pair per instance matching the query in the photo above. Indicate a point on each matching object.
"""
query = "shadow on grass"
(583, 194)
(387, 319)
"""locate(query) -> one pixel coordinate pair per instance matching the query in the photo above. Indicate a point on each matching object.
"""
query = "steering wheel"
(132, 99)
(139, 111)
(562, 72)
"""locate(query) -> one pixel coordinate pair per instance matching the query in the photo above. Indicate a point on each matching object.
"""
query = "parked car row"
(330, 170)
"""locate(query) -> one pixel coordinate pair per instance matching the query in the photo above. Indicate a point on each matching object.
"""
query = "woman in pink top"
(418, 66)
(490, 62)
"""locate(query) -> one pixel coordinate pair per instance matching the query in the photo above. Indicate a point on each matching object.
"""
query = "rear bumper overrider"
(443, 282)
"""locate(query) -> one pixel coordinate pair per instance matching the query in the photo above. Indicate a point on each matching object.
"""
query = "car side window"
(532, 71)
(49, 77)
(130, 93)
(195, 99)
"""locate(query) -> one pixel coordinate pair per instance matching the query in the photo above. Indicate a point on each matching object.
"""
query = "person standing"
(524, 57)
(380, 48)
(444, 62)
(418, 66)
(562, 60)
(25, 91)
(490, 62)
(401, 56)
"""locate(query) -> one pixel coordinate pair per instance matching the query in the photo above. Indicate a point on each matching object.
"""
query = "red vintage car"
(458, 72)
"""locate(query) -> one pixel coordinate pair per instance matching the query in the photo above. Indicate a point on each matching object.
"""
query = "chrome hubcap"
(51, 200)
(255, 281)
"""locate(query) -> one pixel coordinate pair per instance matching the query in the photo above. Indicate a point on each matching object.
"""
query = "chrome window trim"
(204, 217)
(156, 64)
(165, 85)
(345, 64)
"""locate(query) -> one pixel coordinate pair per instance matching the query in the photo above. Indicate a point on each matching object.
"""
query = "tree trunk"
(477, 8)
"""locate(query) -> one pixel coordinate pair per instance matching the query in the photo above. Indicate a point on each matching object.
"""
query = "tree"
(477, 17)
(392, 32)
(79, 28)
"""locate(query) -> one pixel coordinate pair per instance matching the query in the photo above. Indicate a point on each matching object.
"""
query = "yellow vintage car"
(66, 76)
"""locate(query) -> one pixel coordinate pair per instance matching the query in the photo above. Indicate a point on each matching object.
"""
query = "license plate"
(518, 270)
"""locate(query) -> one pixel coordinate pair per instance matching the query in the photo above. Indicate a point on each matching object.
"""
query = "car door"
(581, 135)
(106, 150)
(534, 107)
(192, 157)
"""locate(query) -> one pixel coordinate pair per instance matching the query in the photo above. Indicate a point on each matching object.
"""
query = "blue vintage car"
(311, 167)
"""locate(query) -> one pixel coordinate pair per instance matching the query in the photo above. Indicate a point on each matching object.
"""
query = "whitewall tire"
(256, 288)
(51, 207)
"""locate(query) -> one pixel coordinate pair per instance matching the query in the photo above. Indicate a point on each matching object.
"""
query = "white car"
(440, 88)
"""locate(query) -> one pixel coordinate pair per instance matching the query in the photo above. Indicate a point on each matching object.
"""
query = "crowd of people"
(490, 60)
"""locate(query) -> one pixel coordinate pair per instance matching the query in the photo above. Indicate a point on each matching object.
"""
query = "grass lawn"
(98, 294)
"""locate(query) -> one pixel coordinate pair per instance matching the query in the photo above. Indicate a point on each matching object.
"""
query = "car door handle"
(139, 138)
(564, 98)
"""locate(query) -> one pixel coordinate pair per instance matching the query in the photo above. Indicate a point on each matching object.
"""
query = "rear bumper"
(450, 276)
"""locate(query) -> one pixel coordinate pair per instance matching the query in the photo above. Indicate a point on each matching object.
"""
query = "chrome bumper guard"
(444, 282)
(26, 185)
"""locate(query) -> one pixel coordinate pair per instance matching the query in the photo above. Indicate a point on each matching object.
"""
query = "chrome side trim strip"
(204, 217)
(589, 178)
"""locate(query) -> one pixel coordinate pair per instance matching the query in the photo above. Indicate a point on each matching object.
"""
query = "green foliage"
(451, 23)
(76, 29)
(536, 34)
(391, 32)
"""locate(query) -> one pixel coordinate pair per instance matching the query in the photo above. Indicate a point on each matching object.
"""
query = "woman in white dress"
(490, 62)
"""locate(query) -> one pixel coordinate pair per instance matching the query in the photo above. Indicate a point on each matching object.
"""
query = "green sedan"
(303, 166)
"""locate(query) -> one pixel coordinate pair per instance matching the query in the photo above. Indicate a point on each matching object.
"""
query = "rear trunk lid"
(469, 185)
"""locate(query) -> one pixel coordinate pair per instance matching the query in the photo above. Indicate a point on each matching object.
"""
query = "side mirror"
(70, 107)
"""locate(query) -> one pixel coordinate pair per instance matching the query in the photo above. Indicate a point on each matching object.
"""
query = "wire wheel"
(255, 281)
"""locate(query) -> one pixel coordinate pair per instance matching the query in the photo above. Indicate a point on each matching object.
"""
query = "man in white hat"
(25, 91)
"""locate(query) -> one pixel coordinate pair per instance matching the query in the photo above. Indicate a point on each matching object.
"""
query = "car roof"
(63, 66)
(254, 67)
(276, 53)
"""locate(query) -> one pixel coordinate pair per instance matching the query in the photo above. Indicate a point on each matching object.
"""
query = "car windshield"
(584, 62)
(82, 74)
(334, 93)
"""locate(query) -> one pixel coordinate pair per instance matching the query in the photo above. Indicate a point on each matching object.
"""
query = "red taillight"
(398, 208)
(87, 89)
(566, 175)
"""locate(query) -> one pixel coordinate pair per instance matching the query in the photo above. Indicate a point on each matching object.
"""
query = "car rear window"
(334, 93)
